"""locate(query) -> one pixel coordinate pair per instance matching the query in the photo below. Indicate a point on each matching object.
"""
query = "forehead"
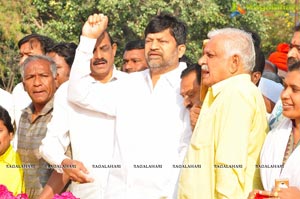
(134, 53)
(31, 45)
(103, 40)
(292, 77)
(188, 79)
(162, 34)
(37, 65)
(215, 44)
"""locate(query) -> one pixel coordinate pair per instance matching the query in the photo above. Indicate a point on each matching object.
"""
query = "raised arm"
(84, 90)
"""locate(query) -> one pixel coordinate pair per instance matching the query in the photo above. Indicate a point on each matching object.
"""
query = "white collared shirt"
(91, 135)
(152, 126)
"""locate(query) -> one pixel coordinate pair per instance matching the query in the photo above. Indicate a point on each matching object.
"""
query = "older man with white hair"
(232, 124)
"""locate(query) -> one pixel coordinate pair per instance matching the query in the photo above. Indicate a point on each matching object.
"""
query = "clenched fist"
(95, 25)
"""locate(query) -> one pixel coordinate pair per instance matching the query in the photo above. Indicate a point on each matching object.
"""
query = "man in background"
(134, 56)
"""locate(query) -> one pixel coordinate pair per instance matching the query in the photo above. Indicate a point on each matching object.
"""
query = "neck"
(103, 78)
(157, 72)
(38, 109)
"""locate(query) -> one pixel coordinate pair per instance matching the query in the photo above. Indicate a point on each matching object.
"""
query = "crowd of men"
(163, 127)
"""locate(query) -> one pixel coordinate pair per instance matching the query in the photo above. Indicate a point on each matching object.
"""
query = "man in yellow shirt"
(232, 124)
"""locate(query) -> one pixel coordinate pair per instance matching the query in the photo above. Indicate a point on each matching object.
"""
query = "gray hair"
(53, 66)
(237, 42)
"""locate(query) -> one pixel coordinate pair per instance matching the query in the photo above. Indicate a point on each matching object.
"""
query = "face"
(5, 138)
(39, 82)
(215, 63)
(294, 52)
(134, 60)
(290, 95)
(63, 69)
(190, 90)
(28, 49)
(103, 59)
(162, 52)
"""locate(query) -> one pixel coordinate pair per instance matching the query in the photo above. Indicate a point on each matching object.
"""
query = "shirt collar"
(47, 108)
(116, 74)
(173, 76)
(218, 87)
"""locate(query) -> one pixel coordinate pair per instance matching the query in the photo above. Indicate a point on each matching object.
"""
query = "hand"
(194, 114)
(289, 193)
(261, 194)
(95, 26)
(76, 171)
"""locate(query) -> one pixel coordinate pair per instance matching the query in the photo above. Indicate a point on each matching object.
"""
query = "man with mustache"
(152, 125)
(134, 56)
(232, 124)
(39, 78)
(294, 52)
(86, 130)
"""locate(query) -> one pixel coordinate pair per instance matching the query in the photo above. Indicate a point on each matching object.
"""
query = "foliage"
(62, 20)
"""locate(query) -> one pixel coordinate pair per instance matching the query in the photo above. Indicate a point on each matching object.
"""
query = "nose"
(127, 66)
(284, 94)
(154, 44)
(187, 102)
(37, 81)
(97, 54)
(202, 60)
(293, 53)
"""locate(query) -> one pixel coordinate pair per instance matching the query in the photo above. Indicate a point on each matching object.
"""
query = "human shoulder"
(18, 88)
(5, 93)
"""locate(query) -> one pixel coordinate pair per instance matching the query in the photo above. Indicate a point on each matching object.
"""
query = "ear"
(181, 50)
(24, 85)
(235, 64)
(255, 77)
(114, 48)
(11, 136)
(56, 81)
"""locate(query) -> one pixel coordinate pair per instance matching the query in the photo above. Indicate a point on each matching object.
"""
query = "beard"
(291, 61)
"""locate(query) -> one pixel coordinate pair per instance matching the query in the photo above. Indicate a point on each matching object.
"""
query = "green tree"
(62, 20)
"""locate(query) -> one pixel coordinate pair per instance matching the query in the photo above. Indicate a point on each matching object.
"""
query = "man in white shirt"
(152, 125)
(90, 134)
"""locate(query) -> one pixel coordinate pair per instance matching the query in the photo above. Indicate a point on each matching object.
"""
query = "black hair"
(190, 68)
(65, 50)
(259, 60)
(256, 38)
(178, 29)
(272, 76)
(46, 42)
(135, 44)
(273, 66)
(4, 116)
(100, 38)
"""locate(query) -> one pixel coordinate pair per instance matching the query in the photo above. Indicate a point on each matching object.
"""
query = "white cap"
(270, 89)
